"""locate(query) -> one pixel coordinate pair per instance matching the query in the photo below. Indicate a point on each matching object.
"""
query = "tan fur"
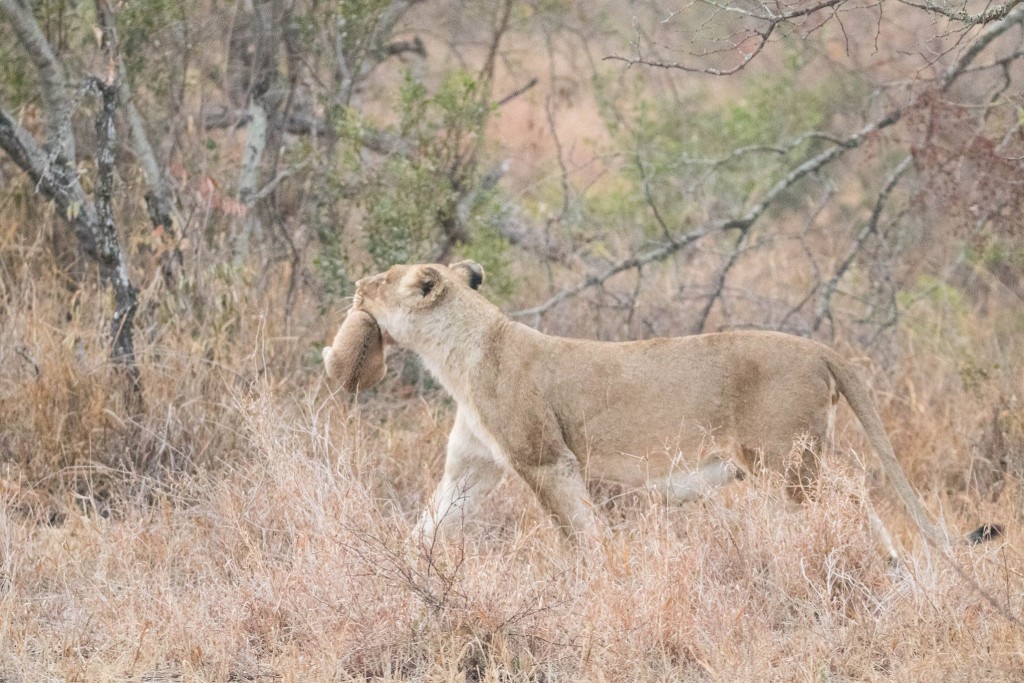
(680, 415)
(355, 359)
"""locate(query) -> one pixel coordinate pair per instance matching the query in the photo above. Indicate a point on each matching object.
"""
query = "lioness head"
(401, 298)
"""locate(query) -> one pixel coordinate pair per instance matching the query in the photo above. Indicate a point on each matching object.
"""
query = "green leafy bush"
(427, 196)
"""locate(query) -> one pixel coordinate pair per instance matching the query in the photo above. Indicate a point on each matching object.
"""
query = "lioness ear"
(471, 272)
(425, 283)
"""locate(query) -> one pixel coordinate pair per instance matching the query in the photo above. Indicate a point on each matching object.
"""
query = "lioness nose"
(360, 282)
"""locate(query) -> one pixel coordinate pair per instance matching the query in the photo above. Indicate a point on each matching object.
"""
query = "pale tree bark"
(159, 198)
(52, 167)
(265, 116)
(357, 50)
(249, 175)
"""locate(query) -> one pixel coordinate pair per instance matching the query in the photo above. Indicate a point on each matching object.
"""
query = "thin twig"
(824, 302)
(517, 92)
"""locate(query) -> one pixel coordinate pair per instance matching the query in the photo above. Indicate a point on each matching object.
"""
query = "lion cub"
(551, 409)
(355, 359)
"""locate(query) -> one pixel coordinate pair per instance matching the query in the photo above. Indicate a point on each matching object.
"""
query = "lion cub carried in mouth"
(551, 409)
(355, 359)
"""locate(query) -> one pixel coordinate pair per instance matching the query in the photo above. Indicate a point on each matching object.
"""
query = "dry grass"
(251, 525)
(279, 551)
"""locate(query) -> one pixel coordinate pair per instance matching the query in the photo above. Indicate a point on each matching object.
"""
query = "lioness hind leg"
(469, 473)
(801, 471)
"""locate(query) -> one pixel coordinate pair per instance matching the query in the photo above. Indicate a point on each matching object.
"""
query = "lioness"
(554, 409)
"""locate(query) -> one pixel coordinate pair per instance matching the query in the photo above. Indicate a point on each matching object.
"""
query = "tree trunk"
(52, 168)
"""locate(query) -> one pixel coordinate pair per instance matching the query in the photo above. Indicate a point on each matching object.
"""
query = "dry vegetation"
(282, 552)
(249, 522)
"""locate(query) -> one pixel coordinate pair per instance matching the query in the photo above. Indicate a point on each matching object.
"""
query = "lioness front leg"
(562, 492)
(469, 473)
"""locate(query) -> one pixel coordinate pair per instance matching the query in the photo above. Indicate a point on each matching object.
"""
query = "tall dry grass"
(292, 562)
(251, 524)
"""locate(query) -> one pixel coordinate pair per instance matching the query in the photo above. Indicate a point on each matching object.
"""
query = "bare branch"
(654, 255)
(105, 138)
(52, 79)
(162, 205)
(984, 39)
(517, 92)
(298, 123)
(159, 199)
(356, 58)
(824, 310)
(52, 178)
(771, 19)
(113, 262)
(462, 169)
(272, 184)
(781, 150)
(747, 58)
(991, 14)
(812, 165)
(723, 273)
(742, 223)
(1007, 15)
(487, 70)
